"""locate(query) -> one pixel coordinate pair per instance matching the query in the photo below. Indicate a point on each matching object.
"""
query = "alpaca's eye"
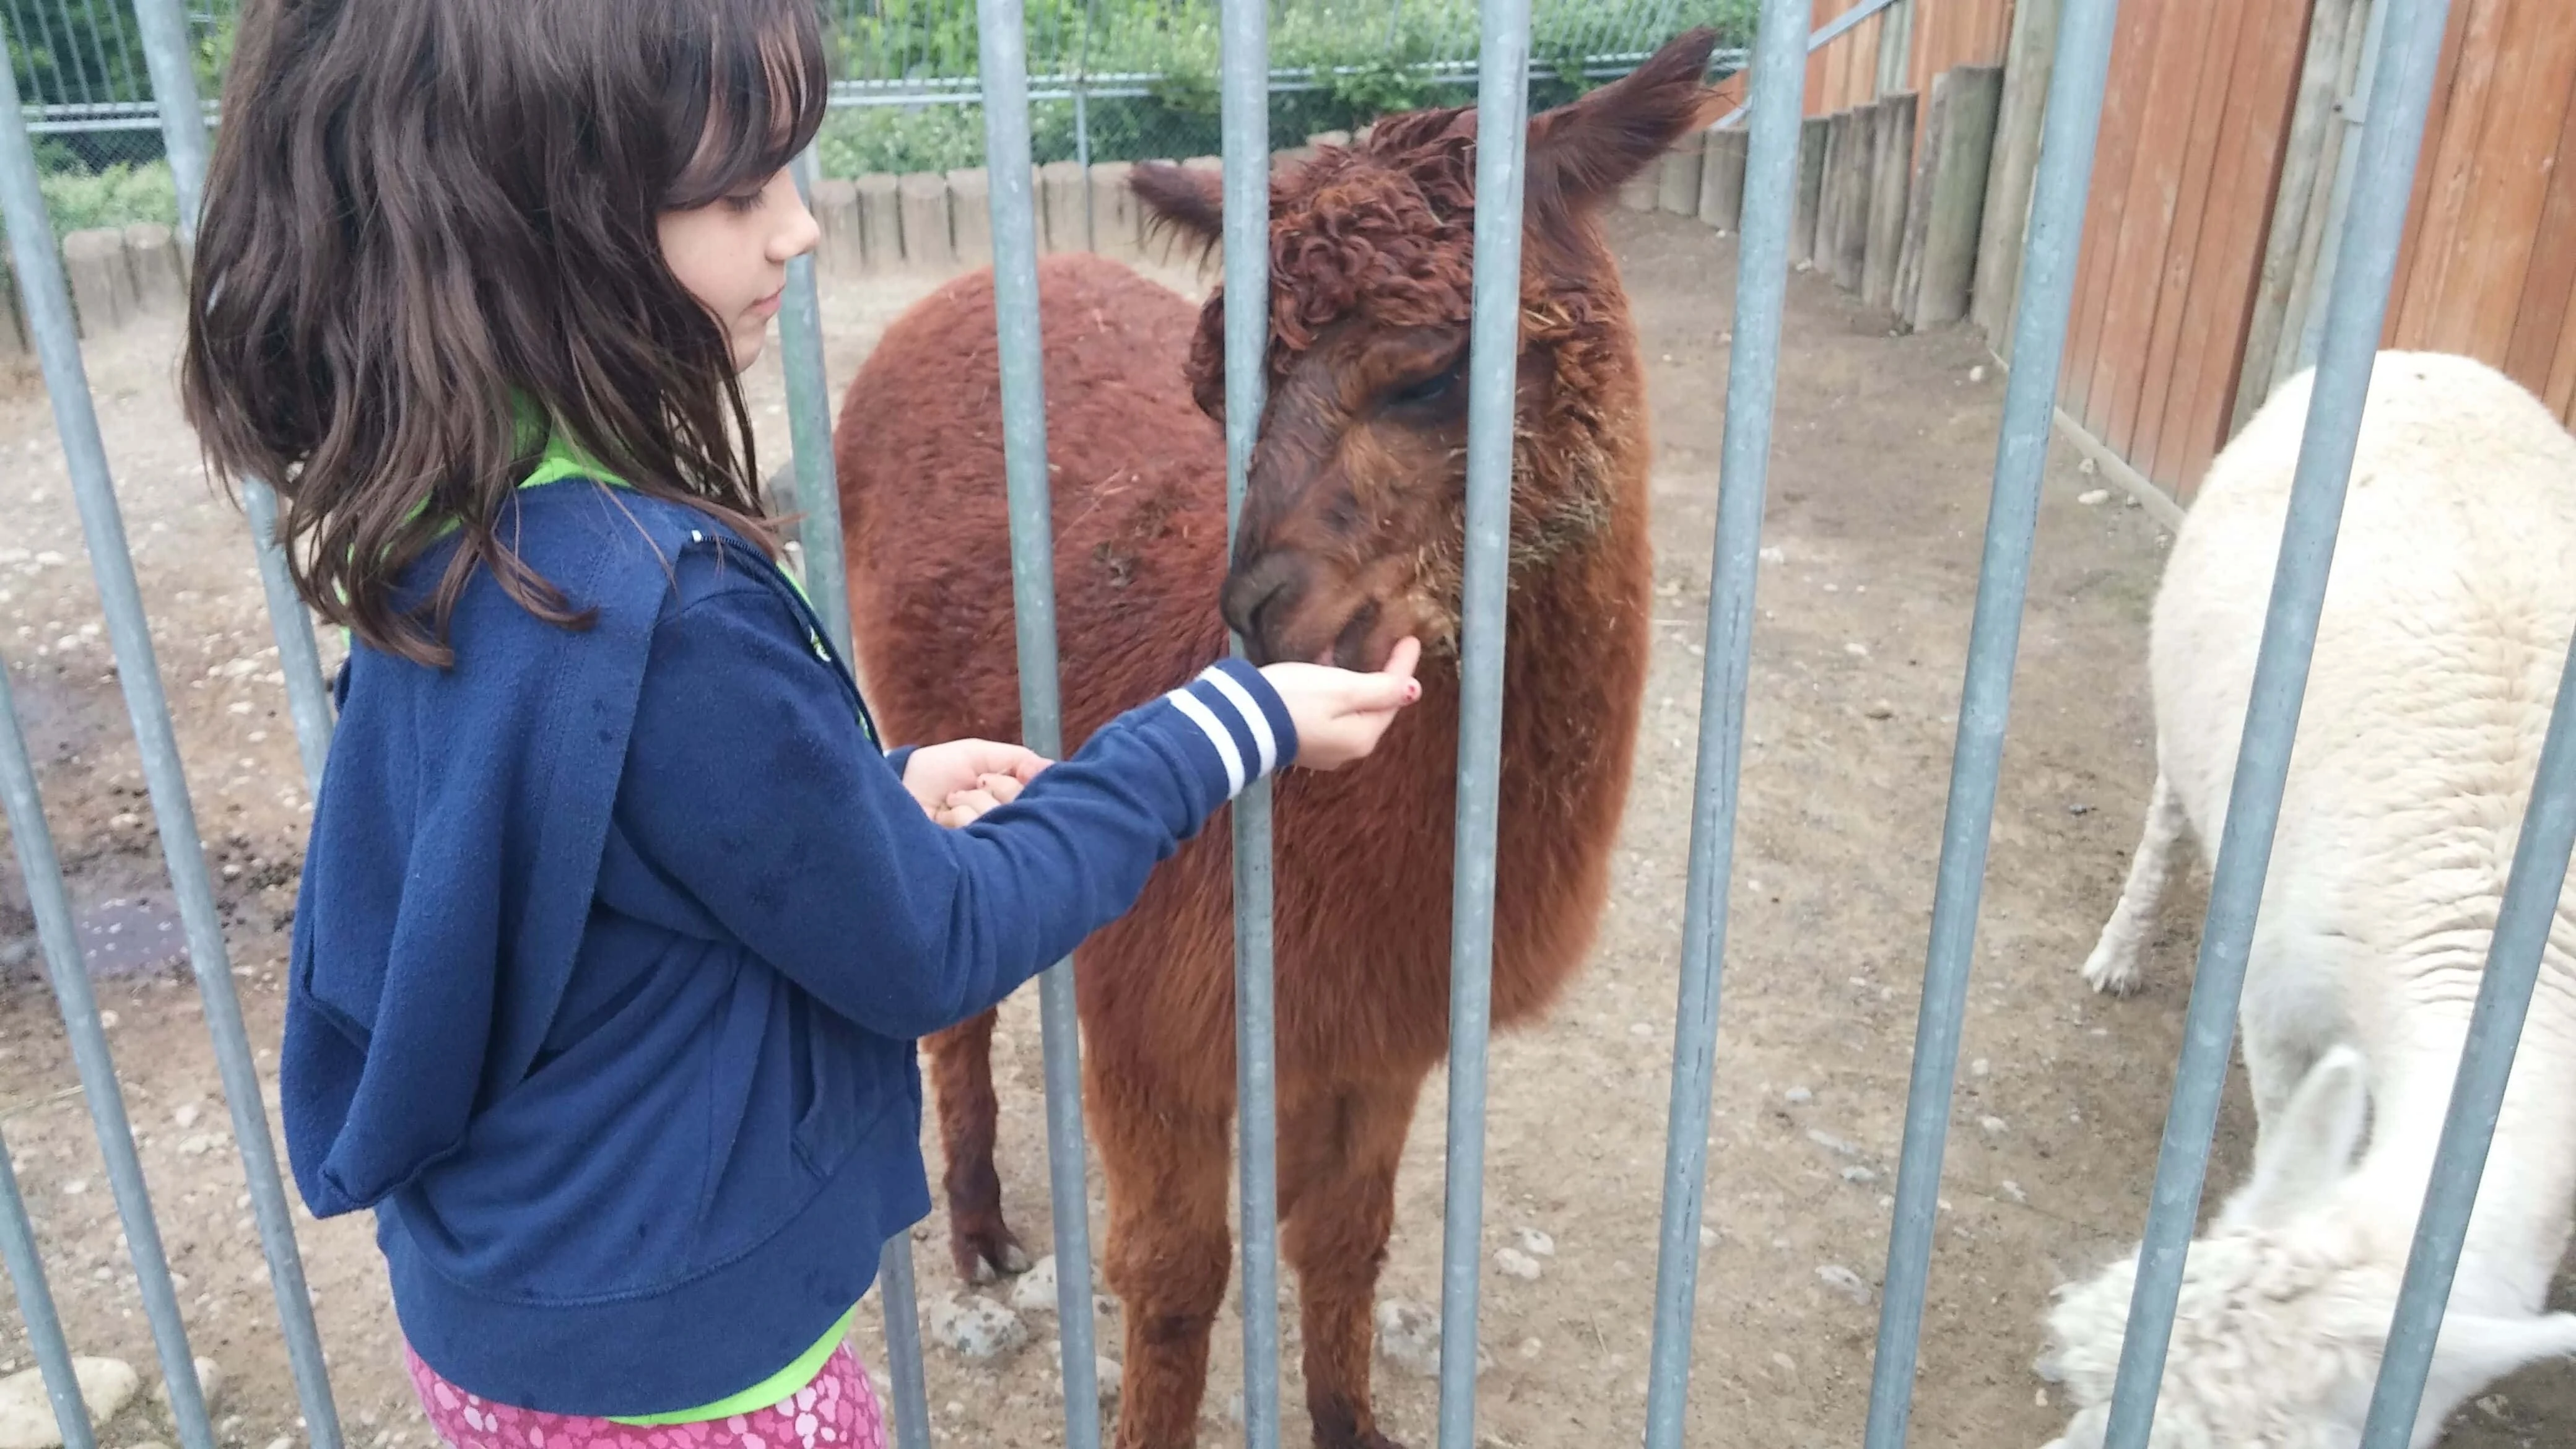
(1429, 389)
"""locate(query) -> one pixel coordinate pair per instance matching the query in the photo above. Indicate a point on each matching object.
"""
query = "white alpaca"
(2446, 624)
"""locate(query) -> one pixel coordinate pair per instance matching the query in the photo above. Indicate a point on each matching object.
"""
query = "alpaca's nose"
(1258, 595)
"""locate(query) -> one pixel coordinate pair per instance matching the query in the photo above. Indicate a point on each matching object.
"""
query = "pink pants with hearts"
(839, 1410)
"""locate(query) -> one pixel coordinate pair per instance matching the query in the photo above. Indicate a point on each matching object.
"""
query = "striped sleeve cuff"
(1240, 719)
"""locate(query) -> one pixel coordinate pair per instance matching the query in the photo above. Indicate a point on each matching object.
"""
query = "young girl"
(616, 928)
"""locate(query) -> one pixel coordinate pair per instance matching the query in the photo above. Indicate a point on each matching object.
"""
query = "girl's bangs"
(767, 85)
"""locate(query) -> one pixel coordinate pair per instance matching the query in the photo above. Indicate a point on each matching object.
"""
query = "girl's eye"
(743, 205)
(1429, 389)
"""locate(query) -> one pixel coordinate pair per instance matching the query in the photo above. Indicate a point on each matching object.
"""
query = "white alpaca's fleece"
(2445, 629)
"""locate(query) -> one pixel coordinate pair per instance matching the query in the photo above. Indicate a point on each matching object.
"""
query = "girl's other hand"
(937, 773)
(967, 806)
(1341, 715)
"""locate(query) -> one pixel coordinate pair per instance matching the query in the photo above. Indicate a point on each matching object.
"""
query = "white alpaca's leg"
(2113, 966)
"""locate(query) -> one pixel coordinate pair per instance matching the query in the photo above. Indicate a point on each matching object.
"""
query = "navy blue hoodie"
(613, 944)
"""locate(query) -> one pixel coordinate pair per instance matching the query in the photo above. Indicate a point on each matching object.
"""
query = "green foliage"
(1348, 61)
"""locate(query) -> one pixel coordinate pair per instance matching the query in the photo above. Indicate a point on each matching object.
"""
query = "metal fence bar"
(51, 905)
(899, 1296)
(183, 137)
(2486, 1064)
(1502, 127)
(1826, 34)
(2356, 311)
(1015, 303)
(1245, 60)
(809, 432)
(174, 82)
(36, 1308)
(826, 573)
(2356, 115)
(48, 312)
(2074, 119)
(1752, 387)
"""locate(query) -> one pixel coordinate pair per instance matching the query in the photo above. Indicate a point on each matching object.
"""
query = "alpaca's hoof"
(1363, 1439)
(985, 1252)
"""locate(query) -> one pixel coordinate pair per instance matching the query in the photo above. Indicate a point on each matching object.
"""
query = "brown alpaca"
(1352, 539)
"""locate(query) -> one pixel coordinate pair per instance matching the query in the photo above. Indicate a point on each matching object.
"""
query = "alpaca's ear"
(1582, 152)
(2311, 1147)
(1189, 202)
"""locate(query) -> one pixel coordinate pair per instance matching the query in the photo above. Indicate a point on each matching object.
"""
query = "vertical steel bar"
(2356, 311)
(1502, 128)
(818, 536)
(809, 432)
(2047, 292)
(1024, 447)
(1245, 63)
(36, 1308)
(2356, 115)
(899, 1295)
(1752, 384)
(2486, 1063)
(183, 136)
(24, 808)
(48, 311)
(183, 118)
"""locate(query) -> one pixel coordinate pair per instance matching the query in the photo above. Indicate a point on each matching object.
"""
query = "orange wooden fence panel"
(2489, 266)
(2192, 133)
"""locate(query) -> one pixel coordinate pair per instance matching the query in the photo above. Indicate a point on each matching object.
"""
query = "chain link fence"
(1110, 80)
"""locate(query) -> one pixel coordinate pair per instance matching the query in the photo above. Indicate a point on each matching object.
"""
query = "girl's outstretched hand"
(1341, 715)
(937, 774)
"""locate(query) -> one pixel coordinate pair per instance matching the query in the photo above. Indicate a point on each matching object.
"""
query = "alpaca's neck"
(2520, 1226)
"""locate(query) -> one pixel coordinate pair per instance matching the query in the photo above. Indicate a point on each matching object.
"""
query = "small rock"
(1856, 649)
(1537, 1244)
(281, 1442)
(1977, 373)
(1775, 554)
(1880, 709)
(2088, 467)
(1408, 1336)
(1798, 1096)
(210, 1384)
(1787, 1364)
(1994, 1126)
(1708, 1237)
(1980, 1067)
(1831, 1143)
(74, 1187)
(2093, 497)
(1105, 1369)
(107, 1385)
(1807, 265)
(1513, 1263)
(1844, 1281)
(2013, 1190)
(1034, 1292)
(974, 1328)
(1860, 1174)
(187, 1116)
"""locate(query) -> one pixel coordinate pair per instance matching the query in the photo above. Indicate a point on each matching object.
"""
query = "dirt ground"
(1884, 449)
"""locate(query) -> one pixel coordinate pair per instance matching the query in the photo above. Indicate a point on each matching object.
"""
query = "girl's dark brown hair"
(425, 215)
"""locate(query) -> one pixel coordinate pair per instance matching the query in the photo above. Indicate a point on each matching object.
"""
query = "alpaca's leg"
(2113, 966)
(1168, 1252)
(1338, 1150)
(961, 1066)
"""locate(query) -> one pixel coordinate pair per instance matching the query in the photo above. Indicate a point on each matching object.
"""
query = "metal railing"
(2379, 196)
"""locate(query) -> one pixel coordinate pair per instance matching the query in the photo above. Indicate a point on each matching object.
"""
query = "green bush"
(1359, 61)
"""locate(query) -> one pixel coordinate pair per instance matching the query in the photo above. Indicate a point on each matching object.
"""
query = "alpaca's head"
(1354, 519)
(2285, 1305)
